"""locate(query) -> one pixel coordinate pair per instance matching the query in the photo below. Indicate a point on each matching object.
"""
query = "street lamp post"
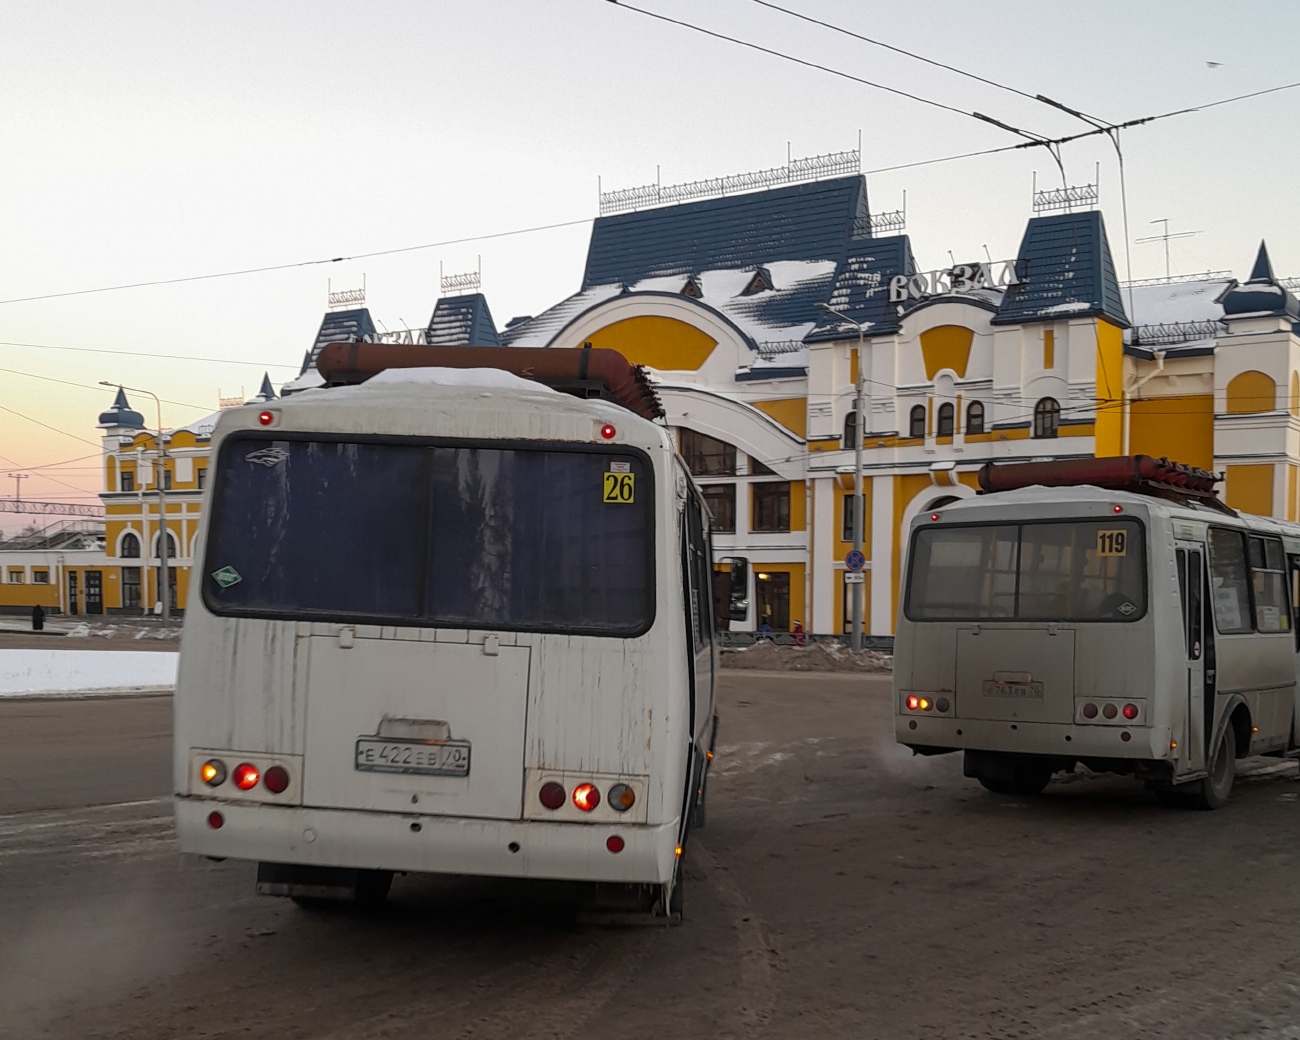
(164, 557)
(859, 497)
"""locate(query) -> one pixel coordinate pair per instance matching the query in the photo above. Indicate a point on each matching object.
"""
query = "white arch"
(923, 500)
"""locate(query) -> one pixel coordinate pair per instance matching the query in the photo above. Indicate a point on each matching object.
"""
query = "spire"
(121, 414)
(265, 393)
(1263, 269)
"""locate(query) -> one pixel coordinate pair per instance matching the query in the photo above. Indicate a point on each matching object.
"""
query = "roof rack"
(1140, 474)
(587, 372)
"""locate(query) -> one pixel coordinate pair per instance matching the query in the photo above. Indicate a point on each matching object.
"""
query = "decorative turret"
(265, 393)
(1262, 296)
(121, 415)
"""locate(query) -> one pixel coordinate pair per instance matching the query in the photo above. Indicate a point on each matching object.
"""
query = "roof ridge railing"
(1204, 276)
(809, 168)
(1167, 333)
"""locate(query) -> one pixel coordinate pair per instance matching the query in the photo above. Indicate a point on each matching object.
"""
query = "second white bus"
(1042, 627)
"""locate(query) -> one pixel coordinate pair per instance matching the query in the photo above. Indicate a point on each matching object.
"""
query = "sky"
(153, 141)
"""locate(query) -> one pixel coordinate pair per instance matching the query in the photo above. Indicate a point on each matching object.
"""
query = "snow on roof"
(1178, 301)
(784, 314)
(200, 427)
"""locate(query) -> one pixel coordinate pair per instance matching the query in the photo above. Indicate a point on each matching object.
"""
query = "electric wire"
(803, 61)
(900, 50)
(100, 389)
(146, 354)
(300, 263)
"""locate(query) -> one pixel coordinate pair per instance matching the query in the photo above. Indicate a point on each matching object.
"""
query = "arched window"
(975, 417)
(171, 546)
(943, 427)
(131, 547)
(1047, 417)
(917, 425)
(850, 428)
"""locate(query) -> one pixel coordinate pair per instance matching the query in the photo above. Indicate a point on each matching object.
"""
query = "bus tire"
(1213, 791)
(1029, 778)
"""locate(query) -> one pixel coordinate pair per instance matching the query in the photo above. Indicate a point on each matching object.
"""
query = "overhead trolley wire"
(300, 263)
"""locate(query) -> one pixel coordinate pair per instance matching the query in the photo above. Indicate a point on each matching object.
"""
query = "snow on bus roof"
(491, 378)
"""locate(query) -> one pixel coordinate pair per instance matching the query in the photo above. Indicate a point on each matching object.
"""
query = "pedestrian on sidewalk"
(38, 618)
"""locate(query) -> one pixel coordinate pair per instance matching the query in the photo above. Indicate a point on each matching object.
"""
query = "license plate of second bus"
(446, 758)
(1015, 690)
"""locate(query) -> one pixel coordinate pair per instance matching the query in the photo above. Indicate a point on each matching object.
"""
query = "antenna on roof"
(461, 284)
(1165, 239)
(987, 254)
(346, 298)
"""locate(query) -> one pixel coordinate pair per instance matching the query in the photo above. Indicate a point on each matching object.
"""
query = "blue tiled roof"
(861, 287)
(800, 222)
(1068, 273)
(1262, 295)
(462, 321)
(343, 327)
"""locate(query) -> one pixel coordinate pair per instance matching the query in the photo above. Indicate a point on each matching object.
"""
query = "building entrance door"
(773, 592)
(72, 593)
(94, 592)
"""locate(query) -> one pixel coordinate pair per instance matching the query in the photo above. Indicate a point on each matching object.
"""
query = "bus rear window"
(1076, 571)
(460, 536)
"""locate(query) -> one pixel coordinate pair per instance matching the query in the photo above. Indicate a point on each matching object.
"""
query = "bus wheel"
(372, 888)
(1213, 791)
(1029, 778)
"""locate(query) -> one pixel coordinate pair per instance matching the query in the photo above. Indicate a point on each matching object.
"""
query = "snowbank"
(27, 672)
(814, 657)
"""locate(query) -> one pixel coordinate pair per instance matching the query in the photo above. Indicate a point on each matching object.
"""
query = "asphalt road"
(842, 889)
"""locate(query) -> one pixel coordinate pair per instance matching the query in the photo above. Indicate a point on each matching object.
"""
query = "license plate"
(1014, 690)
(426, 758)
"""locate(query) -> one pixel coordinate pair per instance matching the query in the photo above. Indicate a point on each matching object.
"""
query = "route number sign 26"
(619, 488)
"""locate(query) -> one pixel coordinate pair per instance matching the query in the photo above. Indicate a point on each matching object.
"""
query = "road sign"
(854, 560)
(854, 578)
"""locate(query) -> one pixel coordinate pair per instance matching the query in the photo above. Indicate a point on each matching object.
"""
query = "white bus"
(1140, 628)
(447, 621)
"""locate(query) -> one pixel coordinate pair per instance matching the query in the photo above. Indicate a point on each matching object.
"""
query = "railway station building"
(1039, 355)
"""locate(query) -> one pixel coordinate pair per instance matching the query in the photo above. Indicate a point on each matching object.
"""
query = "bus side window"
(1194, 585)
(1294, 567)
(700, 569)
(1269, 584)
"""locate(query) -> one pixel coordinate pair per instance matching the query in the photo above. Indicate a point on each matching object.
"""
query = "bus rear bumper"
(1037, 738)
(426, 844)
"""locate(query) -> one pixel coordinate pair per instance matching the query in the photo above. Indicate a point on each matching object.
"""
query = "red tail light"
(586, 797)
(552, 795)
(614, 843)
(1130, 711)
(608, 432)
(913, 703)
(1090, 711)
(1110, 711)
(276, 779)
(266, 418)
(216, 820)
(246, 776)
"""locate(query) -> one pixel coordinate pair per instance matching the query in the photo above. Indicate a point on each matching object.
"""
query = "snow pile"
(27, 672)
(812, 657)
